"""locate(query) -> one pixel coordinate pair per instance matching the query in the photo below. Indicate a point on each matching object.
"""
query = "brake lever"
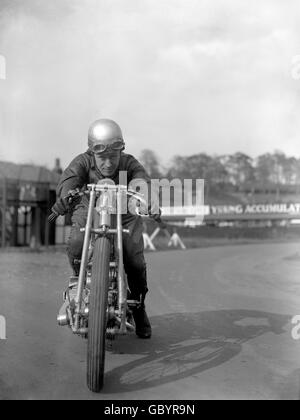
(71, 195)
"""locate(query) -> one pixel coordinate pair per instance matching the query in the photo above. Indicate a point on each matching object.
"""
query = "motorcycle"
(96, 305)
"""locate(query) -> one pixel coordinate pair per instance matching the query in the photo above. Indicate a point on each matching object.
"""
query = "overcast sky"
(179, 76)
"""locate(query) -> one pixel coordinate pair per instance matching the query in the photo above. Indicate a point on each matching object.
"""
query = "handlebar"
(73, 194)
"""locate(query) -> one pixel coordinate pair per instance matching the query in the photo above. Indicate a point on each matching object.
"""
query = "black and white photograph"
(149, 202)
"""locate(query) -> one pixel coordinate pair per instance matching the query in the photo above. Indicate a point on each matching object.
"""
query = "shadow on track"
(186, 344)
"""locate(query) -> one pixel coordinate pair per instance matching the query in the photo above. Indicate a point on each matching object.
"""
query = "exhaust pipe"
(62, 317)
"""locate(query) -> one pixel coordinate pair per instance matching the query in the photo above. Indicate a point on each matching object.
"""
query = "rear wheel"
(98, 314)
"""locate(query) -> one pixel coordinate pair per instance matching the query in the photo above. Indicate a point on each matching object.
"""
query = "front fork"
(84, 260)
(122, 284)
(104, 223)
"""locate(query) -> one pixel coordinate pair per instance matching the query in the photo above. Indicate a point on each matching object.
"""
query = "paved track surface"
(221, 329)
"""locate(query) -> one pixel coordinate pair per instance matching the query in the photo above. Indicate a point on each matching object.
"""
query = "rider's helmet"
(105, 135)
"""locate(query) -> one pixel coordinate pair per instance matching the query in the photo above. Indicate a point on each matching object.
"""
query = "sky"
(179, 76)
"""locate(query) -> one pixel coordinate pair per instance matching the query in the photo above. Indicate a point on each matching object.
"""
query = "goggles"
(113, 147)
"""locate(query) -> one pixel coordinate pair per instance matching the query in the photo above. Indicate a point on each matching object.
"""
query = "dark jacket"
(83, 170)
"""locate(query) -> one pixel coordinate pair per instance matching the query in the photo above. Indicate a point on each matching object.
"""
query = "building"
(27, 192)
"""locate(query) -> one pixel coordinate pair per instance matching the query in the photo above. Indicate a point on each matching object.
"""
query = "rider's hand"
(143, 209)
(161, 224)
(157, 218)
(154, 209)
(61, 207)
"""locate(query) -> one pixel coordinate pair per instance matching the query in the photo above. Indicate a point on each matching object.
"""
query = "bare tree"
(151, 163)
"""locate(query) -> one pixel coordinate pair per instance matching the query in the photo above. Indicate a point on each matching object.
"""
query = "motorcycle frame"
(105, 210)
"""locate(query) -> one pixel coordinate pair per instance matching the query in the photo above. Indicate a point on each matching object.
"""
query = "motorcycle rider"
(105, 159)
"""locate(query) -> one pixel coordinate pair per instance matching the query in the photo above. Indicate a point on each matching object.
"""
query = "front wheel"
(98, 314)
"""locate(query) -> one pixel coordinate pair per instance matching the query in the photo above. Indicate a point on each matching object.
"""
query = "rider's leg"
(134, 263)
(74, 249)
(135, 268)
(75, 242)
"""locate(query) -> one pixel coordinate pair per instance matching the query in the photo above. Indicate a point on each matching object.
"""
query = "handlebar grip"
(160, 222)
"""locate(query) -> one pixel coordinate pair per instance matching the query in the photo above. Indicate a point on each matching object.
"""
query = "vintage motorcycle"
(96, 304)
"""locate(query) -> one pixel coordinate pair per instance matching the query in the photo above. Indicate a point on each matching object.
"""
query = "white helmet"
(105, 134)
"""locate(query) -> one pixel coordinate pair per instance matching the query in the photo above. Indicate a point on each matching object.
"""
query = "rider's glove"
(157, 218)
(151, 210)
(64, 204)
(61, 207)
(154, 209)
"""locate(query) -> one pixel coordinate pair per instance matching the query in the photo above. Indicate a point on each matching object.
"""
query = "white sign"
(257, 209)
(295, 68)
(185, 211)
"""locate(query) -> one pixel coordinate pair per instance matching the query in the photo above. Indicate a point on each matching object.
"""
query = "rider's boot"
(75, 264)
(71, 291)
(142, 324)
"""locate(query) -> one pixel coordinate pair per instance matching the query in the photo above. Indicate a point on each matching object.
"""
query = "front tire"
(98, 315)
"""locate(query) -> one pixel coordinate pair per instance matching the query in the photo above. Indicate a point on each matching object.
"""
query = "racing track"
(221, 329)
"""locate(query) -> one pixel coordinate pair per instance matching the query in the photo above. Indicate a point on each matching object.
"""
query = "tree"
(297, 175)
(151, 163)
(218, 172)
(290, 170)
(179, 168)
(240, 169)
(276, 170)
(264, 169)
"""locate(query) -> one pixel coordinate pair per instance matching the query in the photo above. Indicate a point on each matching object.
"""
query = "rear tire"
(98, 315)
